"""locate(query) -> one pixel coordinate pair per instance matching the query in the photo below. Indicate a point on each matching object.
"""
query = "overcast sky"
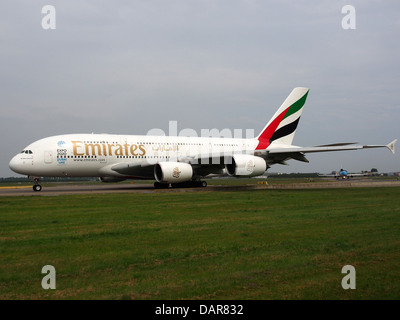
(127, 67)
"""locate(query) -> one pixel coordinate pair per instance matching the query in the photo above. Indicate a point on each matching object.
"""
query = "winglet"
(390, 146)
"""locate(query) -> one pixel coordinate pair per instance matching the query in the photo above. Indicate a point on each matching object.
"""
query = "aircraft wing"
(279, 155)
(357, 174)
(205, 164)
(333, 147)
(132, 170)
(348, 175)
(208, 163)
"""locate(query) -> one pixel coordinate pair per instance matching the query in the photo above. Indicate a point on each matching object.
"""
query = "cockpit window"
(27, 151)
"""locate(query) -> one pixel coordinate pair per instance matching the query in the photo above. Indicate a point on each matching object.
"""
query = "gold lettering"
(93, 148)
(126, 149)
(133, 149)
(75, 148)
(97, 149)
(141, 148)
(110, 149)
(119, 151)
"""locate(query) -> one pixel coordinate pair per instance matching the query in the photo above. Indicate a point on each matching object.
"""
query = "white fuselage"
(93, 155)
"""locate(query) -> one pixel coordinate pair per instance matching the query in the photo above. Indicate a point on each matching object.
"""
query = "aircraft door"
(48, 157)
(244, 148)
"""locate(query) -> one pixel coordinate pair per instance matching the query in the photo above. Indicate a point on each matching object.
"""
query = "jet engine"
(173, 172)
(245, 165)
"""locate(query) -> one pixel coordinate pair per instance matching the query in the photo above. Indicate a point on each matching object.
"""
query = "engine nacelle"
(245, 165)
(111, 179)
(173, 172)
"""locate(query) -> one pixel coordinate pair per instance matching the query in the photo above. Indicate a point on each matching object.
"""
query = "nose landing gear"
(37, 187)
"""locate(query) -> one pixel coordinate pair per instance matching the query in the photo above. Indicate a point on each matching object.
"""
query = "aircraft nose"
(16, 164)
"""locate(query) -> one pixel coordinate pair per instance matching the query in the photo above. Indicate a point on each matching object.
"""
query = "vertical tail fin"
(282, 126)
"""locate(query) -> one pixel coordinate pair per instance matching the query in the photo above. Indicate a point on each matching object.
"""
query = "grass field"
(266, 244)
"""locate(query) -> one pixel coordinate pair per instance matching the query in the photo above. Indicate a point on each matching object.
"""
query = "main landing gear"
(37, 187)
(186, 184)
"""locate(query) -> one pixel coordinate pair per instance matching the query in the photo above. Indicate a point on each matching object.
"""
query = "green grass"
(267, 244)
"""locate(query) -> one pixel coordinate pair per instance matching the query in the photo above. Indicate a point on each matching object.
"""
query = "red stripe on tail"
(263, 139)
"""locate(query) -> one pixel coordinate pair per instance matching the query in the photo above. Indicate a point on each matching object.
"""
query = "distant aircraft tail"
(282, 126)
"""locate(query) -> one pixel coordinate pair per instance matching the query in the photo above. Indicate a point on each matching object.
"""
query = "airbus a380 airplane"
(179, 161)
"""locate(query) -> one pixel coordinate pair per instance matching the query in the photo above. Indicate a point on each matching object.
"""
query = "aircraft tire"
(37, 188)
